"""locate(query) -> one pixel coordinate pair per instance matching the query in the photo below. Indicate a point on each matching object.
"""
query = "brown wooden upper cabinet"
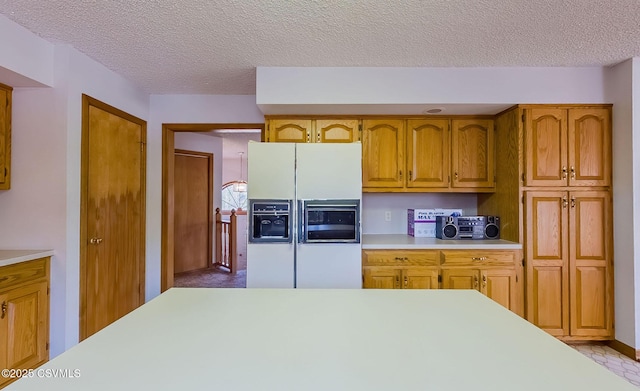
(5, 137)
(567, 146)
(305, 130)
(428, 154)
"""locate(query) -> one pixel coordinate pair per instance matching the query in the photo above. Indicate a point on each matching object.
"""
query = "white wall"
(409, 90)
(374, 206)
(26, 60)
(176, 109)
(42, 208)
(626, 213)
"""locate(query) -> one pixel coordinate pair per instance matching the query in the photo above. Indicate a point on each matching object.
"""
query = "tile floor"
(619, 364)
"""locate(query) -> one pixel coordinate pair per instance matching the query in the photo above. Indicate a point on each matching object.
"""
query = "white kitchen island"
(253, 339)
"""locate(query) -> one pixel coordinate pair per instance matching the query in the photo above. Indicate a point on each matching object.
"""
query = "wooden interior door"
(472, 153)
(112, 233)
(428, 152)
(383, 153)
(591, 298)
(193, 218)
(547, 257)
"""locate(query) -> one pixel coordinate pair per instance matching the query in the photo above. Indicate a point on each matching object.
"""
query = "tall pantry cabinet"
(554, 180)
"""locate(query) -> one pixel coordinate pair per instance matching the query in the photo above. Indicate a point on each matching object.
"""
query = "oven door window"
(323, 224)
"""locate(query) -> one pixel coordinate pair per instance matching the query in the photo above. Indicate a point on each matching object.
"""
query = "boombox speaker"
(467, 227)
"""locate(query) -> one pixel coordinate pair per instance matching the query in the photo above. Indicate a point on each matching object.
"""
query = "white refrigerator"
(304, 174)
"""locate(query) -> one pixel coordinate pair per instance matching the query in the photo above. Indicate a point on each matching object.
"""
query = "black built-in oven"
(270, 221)
(329, 221)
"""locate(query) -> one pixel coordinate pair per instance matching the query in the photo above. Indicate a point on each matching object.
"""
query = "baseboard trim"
(625, 349)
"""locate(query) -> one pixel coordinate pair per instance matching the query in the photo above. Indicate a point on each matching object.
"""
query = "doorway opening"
(232, 139)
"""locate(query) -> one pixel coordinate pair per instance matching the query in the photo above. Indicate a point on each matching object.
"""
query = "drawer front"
(400, 257)
(479, 257)
(19, 273)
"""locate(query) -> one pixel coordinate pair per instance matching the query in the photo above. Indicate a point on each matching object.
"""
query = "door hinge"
(523, 177)
(523, 262)
(46, 346)
(439, 277)
(522, 199)
(523, 117)
(48, 290)
(516, 278)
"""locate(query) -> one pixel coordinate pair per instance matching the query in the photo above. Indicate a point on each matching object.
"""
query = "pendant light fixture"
(241, 185)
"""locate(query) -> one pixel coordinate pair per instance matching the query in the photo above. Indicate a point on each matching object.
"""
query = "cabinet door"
(24, 316)
(420, 278)
(500, 285)
(336, 131)
(545, 147)
(591, 298)
(589, 141)
(547, 253)
(5, 137)
(289, 130)
(428, 152)
(473, 153)
(460, 279)
(383, 153)
(381, 277)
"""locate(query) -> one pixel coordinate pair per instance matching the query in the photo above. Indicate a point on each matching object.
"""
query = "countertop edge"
(407, 242)
(11, 257)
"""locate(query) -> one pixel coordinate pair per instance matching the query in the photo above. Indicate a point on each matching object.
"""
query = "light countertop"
(407, 242)
(308, 339)
(9, 257)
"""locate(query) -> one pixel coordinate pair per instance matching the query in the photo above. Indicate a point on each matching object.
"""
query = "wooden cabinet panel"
(420, 278)
(589, 151)
(548, 306)
(473, 153)
(336, 131)
(590, 254)
(289, 130)
(500, 286)
(479, 257)
(381, 277)
(428, 153)
(545, 147)
(400, 257)
(460, 279)
(568, 147)
(547, 254)
(383, 153)
(24, 315)
(5, 137)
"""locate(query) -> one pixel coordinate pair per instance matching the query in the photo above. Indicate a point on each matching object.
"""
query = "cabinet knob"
(564, 172)
(475, 281)
(479, 259)
(405, 282)
(573, 172)
(484, 280)
(564, 203)
(3, 310)
(95, 240)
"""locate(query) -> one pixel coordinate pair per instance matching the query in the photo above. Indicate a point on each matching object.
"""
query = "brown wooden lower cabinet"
(569, 263)
(495, 273)
(24, 315)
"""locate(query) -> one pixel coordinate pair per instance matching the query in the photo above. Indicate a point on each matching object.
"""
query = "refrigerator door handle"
(300, 213)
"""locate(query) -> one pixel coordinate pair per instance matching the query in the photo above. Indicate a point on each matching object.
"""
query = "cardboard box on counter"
(422, 222)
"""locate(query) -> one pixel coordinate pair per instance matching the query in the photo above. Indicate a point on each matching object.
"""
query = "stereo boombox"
(468, 227)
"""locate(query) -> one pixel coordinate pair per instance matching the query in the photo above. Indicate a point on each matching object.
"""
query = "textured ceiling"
(213, 46)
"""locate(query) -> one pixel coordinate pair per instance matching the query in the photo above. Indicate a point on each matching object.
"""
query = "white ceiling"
(213, 46)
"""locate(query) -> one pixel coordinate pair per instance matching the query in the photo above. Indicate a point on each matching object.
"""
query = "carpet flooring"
(211, 278)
